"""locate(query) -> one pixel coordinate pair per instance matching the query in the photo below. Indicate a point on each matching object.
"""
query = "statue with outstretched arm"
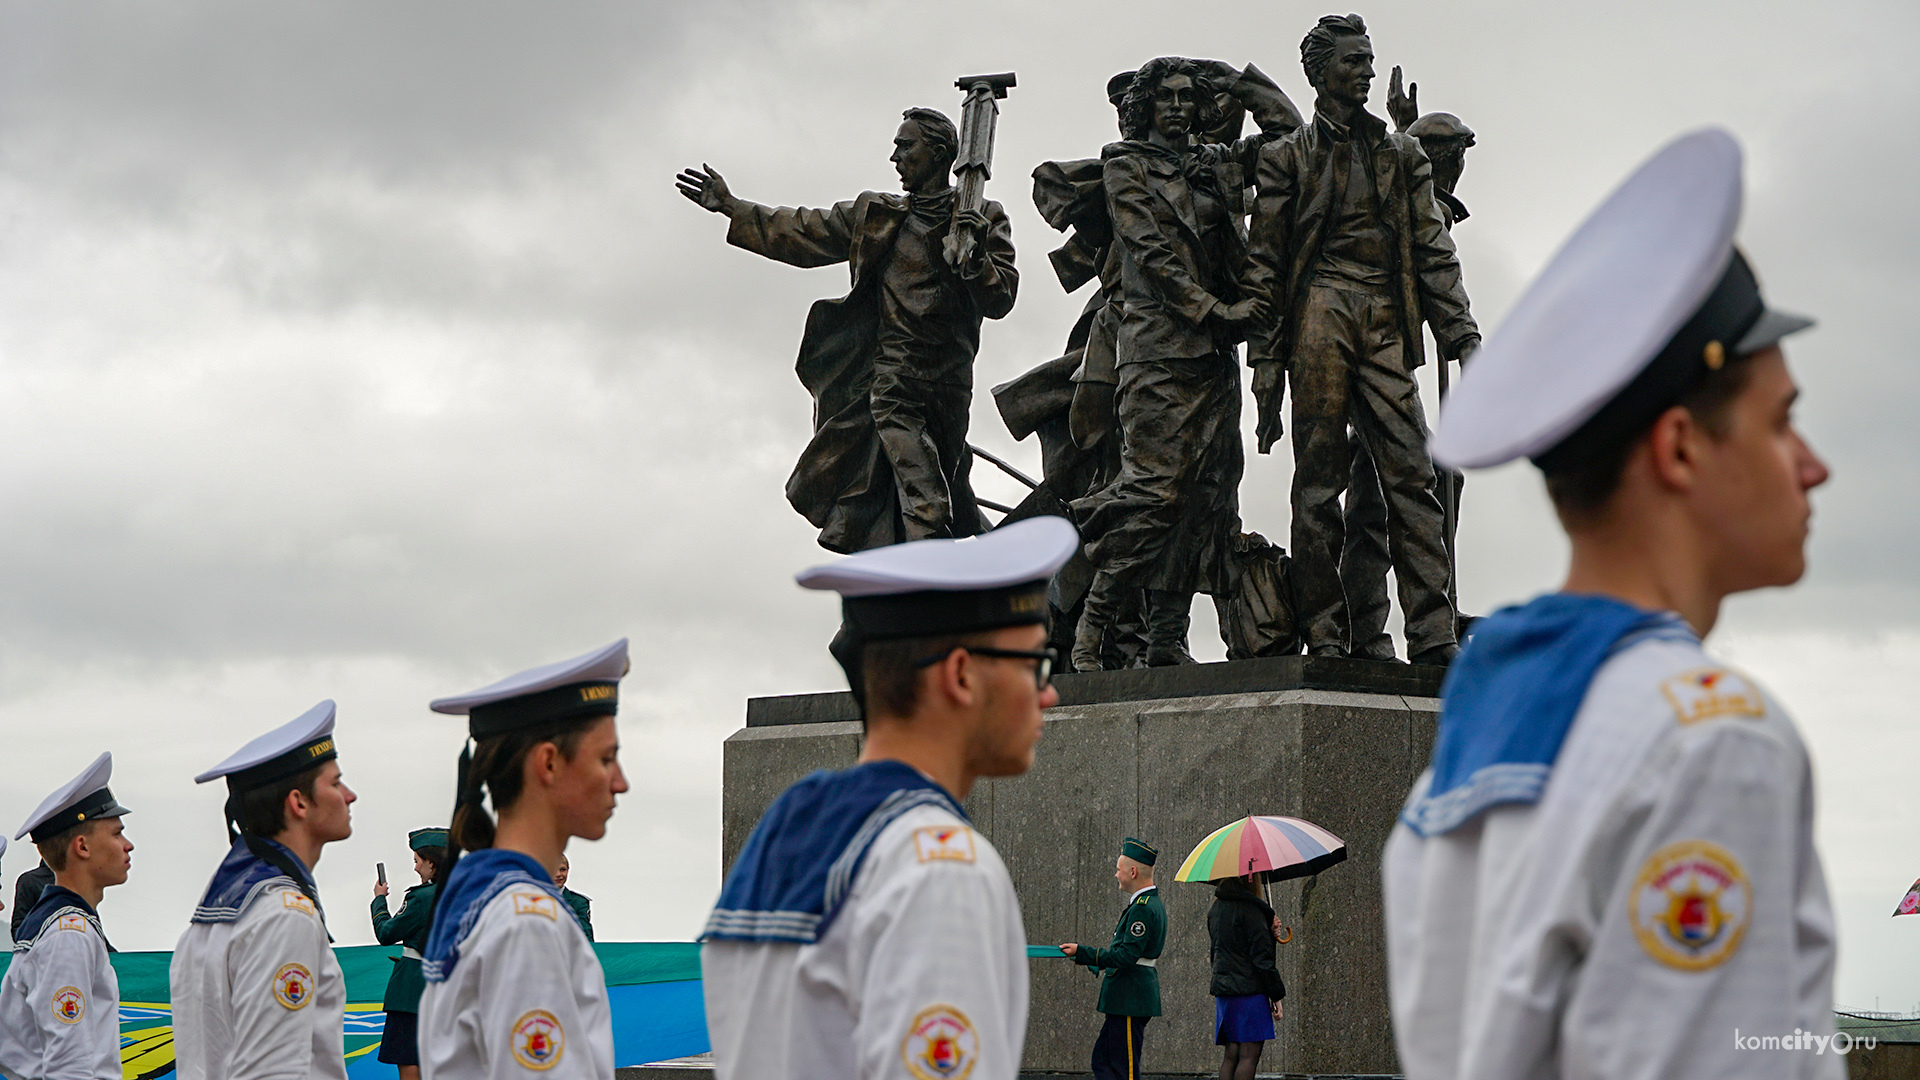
(890, 364)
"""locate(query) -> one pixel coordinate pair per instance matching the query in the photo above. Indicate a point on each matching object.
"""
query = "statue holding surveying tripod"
(890, 364)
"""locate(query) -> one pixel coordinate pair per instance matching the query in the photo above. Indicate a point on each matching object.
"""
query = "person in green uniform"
(581, 904)
(1130, 993)
(399, 1041)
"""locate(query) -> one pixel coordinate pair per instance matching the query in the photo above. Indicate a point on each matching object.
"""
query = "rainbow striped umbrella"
(1279, 847)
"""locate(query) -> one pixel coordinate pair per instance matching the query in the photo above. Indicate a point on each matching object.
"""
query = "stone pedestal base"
(1152, 754)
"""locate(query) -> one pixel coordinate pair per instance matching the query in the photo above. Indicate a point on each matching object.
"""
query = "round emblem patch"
(292, 986)
(1691, 905)
(69, 1005)
(940, 1044)
(538, 1040)
(1139, 929)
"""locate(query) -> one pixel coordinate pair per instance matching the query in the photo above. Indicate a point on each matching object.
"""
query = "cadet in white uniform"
(60, 999)
(866, 930)
(257, 992)
(513, 985)
(1609, 870)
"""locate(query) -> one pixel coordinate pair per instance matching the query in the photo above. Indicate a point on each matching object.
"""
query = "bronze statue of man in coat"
(890, 364)
(1349, 245)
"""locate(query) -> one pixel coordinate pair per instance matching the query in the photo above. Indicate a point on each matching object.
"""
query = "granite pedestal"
(1169, 755)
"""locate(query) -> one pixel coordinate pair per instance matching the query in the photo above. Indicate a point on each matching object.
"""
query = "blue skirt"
(1247, 1018)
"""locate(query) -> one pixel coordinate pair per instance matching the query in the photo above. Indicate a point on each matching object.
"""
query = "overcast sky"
(364, 350)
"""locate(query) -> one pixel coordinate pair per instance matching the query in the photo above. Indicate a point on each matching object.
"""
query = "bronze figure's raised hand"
(706, 187)
(1403, 106)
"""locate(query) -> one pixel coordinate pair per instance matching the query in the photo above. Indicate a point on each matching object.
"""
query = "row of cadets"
(60, 999)
(865, 929)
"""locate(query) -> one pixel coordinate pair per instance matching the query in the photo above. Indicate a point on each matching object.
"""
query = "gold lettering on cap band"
(1716, 356)
(1020, 605)
(320, 748)
(596, 693)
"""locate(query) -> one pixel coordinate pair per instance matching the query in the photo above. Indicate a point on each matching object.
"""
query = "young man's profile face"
(109, 852)
(1753, 483)
(1010, 720)
(329, 817)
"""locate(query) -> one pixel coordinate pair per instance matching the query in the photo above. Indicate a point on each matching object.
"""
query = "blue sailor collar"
(476, 880)
(793, 876)
(241, 877)
(55, 901)
(1511, 695)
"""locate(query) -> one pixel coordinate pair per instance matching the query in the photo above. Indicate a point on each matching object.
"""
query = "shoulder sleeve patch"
(293, 986)
(1711, 693)
(943, 843)
(296, 900)
(69, 1005)
(941, 1044)
(71, 922)
(1138, 929)
(534, 903)
(538, 1040)
(1691, 905)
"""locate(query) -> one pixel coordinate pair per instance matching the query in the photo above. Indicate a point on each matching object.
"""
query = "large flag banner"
(652, 987)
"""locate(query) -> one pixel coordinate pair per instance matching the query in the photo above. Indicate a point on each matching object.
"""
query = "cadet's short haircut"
(893, 679)
(1136, 108)
(1316, 49)
(938, 130)
(263, 811)
(1580, 493)
(54, 849)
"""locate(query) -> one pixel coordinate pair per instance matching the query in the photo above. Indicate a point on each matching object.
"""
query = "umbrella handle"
(1288, 930)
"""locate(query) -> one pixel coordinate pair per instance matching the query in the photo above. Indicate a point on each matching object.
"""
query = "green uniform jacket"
(582, 909)
(1131, 988)
(409, 930)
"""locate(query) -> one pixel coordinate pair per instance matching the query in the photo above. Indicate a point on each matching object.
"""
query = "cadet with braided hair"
(512, 983)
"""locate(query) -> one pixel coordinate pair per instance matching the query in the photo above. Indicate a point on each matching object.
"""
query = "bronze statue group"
(1320, 244)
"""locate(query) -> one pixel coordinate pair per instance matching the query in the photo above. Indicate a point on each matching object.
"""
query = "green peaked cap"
(1138, 851)
(426, 838)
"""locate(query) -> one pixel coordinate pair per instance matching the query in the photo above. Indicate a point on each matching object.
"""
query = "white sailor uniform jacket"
(1659, 905)
(257, 993)
(920, 972)
(60, 999)
(513, 985)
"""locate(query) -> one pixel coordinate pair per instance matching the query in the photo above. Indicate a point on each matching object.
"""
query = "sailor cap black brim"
(84, 798)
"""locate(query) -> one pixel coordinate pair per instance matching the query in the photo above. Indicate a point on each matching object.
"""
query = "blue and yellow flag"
(652, 987)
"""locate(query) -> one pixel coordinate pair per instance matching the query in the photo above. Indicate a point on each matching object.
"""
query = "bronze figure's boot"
(1096, 617)
(1168, 614)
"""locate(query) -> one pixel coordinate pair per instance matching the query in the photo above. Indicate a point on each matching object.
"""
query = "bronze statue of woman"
(1164, 525)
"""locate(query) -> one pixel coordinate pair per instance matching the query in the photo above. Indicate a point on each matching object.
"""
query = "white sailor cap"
(81, 799)
(926, 588)
(587, 685)
(288, 750)
(1646, 297)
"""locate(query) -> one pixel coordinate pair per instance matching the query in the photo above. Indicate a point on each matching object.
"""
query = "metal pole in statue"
(1449, 509)
(979, 114)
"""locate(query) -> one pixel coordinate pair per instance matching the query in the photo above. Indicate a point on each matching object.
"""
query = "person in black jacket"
(1246, 984)
(26, 893)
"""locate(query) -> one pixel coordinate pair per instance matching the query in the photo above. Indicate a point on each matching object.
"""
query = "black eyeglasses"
(1042, 669)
